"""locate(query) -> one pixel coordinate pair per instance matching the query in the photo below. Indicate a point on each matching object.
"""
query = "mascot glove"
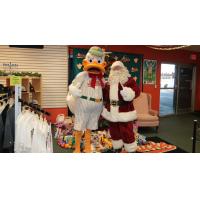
(75, 91)
(127, 94)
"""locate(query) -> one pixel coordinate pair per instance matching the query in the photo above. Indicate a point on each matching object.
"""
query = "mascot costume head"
(85, 98)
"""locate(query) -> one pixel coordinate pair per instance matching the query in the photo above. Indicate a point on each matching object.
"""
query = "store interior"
(168, 77)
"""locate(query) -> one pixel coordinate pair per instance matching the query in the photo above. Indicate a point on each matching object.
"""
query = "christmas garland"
(167, 47)
(32, 74)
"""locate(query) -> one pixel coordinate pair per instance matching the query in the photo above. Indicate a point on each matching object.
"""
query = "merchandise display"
(85, 98)
(31, 88)
(25, 131)
(64, 132)
(33, 134)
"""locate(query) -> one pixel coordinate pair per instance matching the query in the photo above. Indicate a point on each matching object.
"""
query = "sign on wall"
(15, 80)
(149, 71)
(132, 61)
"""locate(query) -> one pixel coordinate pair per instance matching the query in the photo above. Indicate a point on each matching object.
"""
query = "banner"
(75, 63)
(132, 61)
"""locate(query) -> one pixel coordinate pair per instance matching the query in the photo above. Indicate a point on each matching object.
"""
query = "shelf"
(36, 92)
(2, 94)
(28, 96)
(37, 78)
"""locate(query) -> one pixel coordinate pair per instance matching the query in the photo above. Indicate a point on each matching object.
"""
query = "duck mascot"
(85, 98)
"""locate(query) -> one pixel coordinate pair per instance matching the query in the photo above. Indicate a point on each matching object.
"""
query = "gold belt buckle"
(114, 103)
(97, 100)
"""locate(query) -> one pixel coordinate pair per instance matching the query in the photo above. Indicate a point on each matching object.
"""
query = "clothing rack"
(45, 143)
(34, 107)
(3, 96)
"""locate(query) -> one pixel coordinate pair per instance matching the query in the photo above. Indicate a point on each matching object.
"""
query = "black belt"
(117, 103)
(91, 99)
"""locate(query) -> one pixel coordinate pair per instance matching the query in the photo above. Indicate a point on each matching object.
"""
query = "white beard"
(120, 76)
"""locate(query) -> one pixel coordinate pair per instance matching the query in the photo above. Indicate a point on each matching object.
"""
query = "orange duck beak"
(94, 67)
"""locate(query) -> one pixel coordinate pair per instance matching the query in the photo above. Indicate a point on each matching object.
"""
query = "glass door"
(186, 89)
(167, 89)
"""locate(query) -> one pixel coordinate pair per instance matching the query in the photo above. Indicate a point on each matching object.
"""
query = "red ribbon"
(94, 77)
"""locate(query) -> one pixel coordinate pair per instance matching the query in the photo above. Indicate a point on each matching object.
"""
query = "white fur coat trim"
(120, 116)
(117, 144)
(131, 147)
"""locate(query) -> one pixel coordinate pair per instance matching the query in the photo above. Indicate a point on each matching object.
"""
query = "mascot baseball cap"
(96, 51)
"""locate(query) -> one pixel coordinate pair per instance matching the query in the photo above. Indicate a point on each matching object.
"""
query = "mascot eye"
(90, 60)
(99, 60)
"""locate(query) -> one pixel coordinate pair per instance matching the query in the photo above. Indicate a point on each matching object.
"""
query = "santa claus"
(118, 95)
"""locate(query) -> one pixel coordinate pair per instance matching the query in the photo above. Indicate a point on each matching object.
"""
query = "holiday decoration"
(149, 71)
(167, 47)
(85, 97)
(133, 62)
(32, 74)
(118, 96)
(101, 142)
(64, 131)
(153, 147)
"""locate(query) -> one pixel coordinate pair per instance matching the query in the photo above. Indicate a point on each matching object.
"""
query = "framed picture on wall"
(149, 71)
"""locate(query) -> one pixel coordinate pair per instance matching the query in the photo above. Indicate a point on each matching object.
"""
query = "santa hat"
(118, 63)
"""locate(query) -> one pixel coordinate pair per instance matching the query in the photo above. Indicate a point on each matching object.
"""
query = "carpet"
(172, 150)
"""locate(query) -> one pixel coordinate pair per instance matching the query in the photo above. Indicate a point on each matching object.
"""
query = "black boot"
(117, 150)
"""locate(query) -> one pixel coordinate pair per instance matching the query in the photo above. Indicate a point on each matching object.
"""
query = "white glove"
(75, 91)
(127, 94)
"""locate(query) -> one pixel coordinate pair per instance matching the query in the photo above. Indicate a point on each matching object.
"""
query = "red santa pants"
(122, 131)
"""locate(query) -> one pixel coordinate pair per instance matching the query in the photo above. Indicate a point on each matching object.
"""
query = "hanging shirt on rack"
(2, 107)
(1, 133)
(4, 113)
(32, 134)
(49, 140)
(9, 131)
(24, 128)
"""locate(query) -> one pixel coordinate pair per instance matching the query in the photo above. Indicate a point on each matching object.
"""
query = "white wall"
(51, 62)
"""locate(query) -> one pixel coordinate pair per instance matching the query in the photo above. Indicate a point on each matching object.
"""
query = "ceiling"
(195, 48)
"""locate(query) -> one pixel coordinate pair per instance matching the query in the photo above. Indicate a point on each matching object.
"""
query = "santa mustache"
(118, 76)
(116, 73)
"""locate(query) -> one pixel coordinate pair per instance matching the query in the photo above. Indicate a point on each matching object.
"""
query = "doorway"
(167, 89)
(185, 88)
(177, 89)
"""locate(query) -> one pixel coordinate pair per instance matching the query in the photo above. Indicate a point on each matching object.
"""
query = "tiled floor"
(176, 129)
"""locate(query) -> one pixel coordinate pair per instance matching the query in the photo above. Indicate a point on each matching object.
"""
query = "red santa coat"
(124, 111)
